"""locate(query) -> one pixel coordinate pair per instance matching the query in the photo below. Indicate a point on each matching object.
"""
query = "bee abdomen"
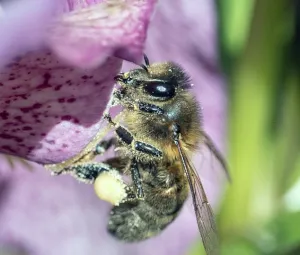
(132, 222)
(142, 219)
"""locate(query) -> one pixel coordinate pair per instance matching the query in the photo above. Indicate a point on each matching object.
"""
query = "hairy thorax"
(156, 129)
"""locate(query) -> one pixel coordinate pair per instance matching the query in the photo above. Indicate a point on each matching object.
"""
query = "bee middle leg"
(139, 106)
(119, 163)
(136, 147)
(127, 138)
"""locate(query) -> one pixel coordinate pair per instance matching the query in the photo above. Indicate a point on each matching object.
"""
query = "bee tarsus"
(104, 145)
(136, 178)
(88, 171)
(150, 108)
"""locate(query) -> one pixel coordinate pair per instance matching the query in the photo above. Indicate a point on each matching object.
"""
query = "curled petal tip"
(87, 36)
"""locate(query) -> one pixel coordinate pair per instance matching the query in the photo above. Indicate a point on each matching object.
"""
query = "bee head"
(156, 82)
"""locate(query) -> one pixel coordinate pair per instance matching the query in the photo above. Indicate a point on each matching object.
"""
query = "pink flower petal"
(71, 5)
(20, 19)
(46, 216)
(85, 38)
(50, 111)
(59, 216)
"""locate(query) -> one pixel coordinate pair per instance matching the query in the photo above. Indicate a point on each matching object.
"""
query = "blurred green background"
(259, 52)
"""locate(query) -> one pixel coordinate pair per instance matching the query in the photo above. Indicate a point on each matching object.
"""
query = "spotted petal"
(52, 98)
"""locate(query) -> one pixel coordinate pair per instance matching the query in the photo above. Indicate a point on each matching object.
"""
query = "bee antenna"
(145, 68)
(146, 59)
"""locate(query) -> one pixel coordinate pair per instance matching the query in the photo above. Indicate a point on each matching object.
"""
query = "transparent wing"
(211, 146)
(203, 210)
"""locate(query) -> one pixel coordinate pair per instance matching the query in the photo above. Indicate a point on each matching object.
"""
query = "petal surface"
(50, 111)
(85, 37)
(21, 18)
(52, 105)
(57, 215)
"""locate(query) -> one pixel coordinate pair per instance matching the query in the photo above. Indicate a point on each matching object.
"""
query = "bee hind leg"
(90, 171)
(136, 147)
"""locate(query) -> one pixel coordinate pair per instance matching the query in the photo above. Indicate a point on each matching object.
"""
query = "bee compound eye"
(160, 89)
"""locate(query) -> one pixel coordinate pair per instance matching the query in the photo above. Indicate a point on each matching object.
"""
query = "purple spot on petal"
(28, 109)
(11, 123)
(66, 117)
(7, 136)
(8, 148)
(4, 115)
(75, 120)
(71, 100)
(27, 128)
(24, 96)
(58, 87)
(15, 88)
(45, 83)
(43, 86)
(65, 145)
(19, 118)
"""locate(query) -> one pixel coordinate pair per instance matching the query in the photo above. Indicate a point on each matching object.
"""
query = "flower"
(53, 97)
(57, 215)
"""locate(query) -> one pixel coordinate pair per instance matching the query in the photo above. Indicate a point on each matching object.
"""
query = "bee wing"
(203, 210)
(211, 146)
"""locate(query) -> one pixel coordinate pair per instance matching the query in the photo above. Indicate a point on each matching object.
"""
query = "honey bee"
(157, 131)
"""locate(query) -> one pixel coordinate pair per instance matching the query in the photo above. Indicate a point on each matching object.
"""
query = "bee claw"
(52, 173)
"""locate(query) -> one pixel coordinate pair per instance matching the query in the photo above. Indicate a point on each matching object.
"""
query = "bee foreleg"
(87, 172)
(150, 108)
(99, 149)
(104, 145)
(141, 106)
